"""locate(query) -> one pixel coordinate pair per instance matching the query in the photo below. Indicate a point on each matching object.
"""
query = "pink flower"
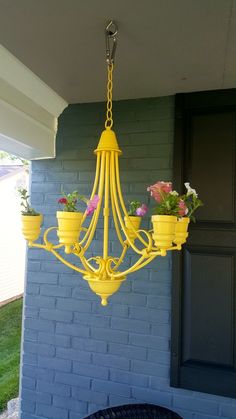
(158, 188)
(92, 205)
(183, 210)
(62, 201)
(141, 211)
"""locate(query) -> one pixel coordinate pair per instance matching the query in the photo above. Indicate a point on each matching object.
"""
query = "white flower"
(190, 191)
(175, 193)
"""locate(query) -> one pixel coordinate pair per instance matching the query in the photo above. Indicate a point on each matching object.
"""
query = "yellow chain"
(109, 120)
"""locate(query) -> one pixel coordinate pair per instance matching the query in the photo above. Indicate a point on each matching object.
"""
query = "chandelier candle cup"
(70, 219)
(181, 231)
(31, 227)
(132, 224)
(167, 211)
(69, 226)
(164, 231)
(31, 220)
(136, 211)
(174, 212)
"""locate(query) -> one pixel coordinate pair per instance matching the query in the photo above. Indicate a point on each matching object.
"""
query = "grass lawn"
(10, 334)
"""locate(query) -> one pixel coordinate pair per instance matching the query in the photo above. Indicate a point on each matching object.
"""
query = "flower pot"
(69, 225)
(181, 230)
(132, 221)
(31, 226)
(163, 230)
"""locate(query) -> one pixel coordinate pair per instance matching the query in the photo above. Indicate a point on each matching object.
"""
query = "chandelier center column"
(106, 211)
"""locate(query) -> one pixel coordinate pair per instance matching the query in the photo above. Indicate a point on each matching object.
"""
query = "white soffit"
(164, 46)
(28, 111)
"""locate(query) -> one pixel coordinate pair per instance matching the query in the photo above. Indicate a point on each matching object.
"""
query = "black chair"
(135, 411)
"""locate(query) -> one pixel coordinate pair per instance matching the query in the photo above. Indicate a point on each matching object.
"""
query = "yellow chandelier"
(104, 272)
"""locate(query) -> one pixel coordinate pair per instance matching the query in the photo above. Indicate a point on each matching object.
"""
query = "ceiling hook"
(111, 41)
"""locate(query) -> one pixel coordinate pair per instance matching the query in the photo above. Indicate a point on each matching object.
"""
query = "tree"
(7, 156)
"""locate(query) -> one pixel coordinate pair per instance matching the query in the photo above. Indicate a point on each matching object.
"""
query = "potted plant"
(31, 220)
(135, 213)
(169, 207)
(191, 202)
(70, 218)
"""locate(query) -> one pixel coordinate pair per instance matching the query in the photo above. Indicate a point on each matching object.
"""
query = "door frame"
(204, 102)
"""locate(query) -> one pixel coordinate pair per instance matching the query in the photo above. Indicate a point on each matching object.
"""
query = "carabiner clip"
(110, 36)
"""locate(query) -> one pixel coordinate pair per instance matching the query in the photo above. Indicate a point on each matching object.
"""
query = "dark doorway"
(203, 296)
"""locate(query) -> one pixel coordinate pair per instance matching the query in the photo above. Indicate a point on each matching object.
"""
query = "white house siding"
(12, 245)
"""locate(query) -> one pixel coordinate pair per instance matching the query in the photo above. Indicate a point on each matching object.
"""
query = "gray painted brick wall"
(78, 356)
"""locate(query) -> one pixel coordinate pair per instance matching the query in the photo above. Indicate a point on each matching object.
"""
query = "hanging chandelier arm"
(99, 261)
(65, 262)
(131, 269)
(86, 264)
(92, 195)
(138, 265)
(149, 248)
(121, 258)
(97, 211)
(106, 207)
(87, 231)
(113, 206)
(146, 262)
(78, 251)
(118, 188)
(37, 245)
(113, 179)
(48, 244)
(146, 244)
(94, 185)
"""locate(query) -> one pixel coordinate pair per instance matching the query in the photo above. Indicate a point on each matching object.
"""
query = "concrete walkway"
(12, 411)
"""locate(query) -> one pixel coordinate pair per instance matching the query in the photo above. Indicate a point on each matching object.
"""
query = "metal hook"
(110, 36)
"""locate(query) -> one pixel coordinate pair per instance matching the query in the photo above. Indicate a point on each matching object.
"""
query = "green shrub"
(10, 336)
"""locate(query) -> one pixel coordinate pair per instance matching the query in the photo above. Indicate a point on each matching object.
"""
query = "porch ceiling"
(165, 46)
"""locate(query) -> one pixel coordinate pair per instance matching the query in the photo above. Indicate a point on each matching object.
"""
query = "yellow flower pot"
(69, 225)
(31, 226)
(163, 230)
(104, 287)
(130, 221)
(181, 230)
